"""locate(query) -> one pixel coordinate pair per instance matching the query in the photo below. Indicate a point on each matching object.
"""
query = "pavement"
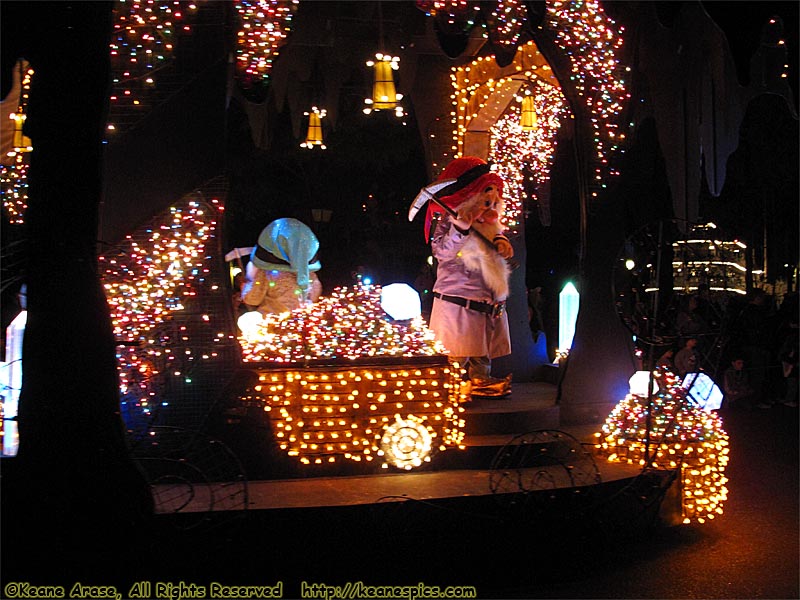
(751, 551)
(601, 542)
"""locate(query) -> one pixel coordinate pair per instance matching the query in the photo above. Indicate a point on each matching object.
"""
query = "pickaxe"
(433, 193)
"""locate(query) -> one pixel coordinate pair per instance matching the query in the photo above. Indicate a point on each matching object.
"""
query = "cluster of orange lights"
(394, 416)
(14, 165)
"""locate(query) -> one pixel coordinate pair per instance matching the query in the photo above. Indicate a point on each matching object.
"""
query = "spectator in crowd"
(755, 332)
(686, 358)
(788, 356)
(736, 384)
(666, 360)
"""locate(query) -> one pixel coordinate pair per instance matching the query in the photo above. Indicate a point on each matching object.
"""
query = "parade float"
(340, 379)
(343, 379)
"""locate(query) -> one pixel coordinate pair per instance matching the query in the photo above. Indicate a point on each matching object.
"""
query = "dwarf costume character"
(468, 314)
(281, 273)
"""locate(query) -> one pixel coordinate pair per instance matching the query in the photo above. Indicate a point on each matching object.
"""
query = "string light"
(390, 415)
(14, 165)
(147, 284)
(142, 44)
(265, 25)
(505, 22)
(526, 156)
(681, 436)
(349, 324)
(452, 15)
(592, 42)
(519, 155)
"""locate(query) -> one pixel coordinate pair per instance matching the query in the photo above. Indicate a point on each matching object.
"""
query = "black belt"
(495, 310)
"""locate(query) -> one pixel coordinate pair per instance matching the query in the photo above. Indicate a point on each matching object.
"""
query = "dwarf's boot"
(492, 387)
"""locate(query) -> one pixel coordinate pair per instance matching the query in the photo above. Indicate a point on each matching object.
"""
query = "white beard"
(480, 256)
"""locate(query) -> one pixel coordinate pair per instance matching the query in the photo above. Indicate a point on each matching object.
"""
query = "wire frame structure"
(191, 473)
(170, 304)
(544, 470)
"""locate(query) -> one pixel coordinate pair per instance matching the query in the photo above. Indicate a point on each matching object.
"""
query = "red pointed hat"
(472, 174)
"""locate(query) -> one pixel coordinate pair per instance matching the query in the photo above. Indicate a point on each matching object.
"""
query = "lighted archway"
(487, 101)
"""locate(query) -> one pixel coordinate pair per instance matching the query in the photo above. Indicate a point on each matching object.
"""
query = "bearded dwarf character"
(281, 273)
(468, 314)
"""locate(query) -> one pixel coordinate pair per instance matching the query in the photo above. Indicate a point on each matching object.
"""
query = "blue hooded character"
(281, 274)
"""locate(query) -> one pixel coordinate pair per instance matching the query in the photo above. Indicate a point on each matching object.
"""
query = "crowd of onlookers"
(750, 348)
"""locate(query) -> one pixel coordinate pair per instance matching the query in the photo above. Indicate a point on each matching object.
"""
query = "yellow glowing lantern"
(527, 118)
(384, 94)
(314, 135)
(22, 143)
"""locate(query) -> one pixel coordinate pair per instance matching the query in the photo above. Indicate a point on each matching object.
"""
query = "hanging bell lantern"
(22, 143)
(384, 94)
(314, 137)
(527, 117)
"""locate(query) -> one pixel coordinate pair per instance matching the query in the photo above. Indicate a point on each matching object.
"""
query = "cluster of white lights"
(592, 42)
(407, 443)
(264, 29)
(146, 286)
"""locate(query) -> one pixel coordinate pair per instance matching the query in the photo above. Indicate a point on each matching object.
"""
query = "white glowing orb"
(702, 389)
(401, 301)
(406, 443)
(638, 384)
(250, 324)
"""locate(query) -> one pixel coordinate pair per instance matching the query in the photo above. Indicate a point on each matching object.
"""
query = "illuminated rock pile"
(348, 324)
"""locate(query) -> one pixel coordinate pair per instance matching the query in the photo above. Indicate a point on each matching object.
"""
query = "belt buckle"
(498, 309)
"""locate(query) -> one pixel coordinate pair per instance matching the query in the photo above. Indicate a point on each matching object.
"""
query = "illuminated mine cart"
(702, 482)
(682, 436)
(345, 382)
(389, 413)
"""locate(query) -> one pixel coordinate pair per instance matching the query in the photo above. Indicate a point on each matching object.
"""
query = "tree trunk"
(74, 496)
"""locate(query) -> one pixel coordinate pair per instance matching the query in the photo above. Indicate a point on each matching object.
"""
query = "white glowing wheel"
(406, 443)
